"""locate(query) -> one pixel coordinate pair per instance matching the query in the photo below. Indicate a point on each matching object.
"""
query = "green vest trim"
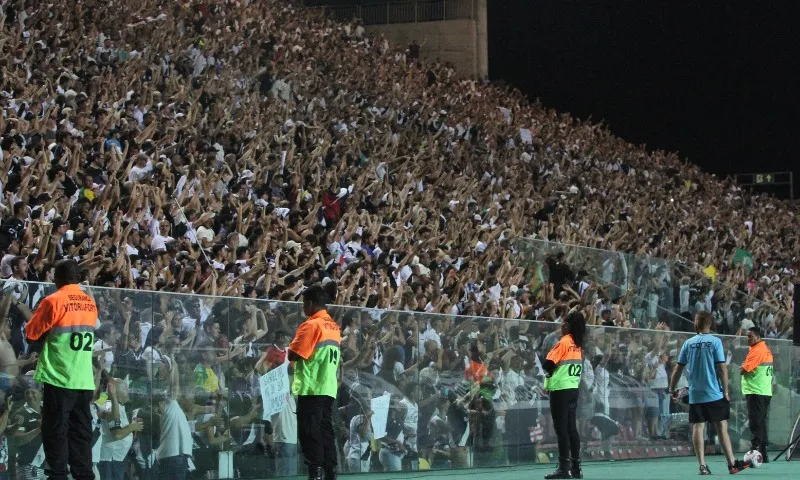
(759, 381)
(566, 375)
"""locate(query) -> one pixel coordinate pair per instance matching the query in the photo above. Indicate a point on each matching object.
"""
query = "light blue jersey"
(701, 354)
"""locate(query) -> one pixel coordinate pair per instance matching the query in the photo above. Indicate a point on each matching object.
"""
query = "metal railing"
(382, 13)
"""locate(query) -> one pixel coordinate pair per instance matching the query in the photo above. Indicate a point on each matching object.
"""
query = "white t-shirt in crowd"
(108, 357)
(284, 423)
(357, 445)
(145, 328)
(153, 357)
(601, 381)
(429, 334)
(97, 424)
(137, 173)
(159, 243)
(205, 233)
(191, 233)
(661, 380)
(115, 450)
(511, 382)
(410, 423)
(176, 436)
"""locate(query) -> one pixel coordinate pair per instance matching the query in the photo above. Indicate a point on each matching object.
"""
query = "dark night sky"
(716, 81)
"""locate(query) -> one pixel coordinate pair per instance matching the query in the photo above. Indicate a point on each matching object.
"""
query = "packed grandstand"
(244, 150)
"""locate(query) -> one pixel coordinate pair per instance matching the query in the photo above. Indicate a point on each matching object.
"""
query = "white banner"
(526, 136)
(274, 390)
(380, 415)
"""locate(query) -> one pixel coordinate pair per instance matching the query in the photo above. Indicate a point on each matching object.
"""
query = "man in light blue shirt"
(700, 355)
(704, 360)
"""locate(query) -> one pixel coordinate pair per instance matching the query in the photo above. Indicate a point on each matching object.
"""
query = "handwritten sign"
(274, 390)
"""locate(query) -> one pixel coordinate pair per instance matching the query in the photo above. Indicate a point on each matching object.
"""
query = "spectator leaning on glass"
(564, 364)
(65, 321)
(316, 352)
(757, 371)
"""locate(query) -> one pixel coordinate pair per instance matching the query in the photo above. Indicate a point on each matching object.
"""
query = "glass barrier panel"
(654, 290)
(621, 289)
(208, 378)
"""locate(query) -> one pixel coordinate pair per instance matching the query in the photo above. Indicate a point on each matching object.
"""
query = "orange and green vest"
(568, 358)
(66, 319)
(318, 343)
(758, 366)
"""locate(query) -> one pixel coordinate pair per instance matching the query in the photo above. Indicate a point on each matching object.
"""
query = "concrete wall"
(464, 43)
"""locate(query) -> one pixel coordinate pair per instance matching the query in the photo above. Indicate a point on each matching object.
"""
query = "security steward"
(316, 353)
(564, 366)
(65, 322)
(757, 371)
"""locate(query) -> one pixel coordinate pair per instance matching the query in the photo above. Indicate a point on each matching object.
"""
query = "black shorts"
(715, 411)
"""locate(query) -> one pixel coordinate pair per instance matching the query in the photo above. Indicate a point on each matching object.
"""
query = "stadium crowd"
(246, 149)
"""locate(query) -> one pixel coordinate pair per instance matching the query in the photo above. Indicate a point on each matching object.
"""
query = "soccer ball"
(754, 458)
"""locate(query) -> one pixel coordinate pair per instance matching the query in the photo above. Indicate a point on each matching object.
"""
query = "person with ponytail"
(564, 365)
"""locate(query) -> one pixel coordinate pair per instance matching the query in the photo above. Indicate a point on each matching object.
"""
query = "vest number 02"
(574, 370)
(81, 341)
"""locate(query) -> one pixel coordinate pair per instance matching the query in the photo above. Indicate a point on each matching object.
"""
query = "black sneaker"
(738, 466)
(764, 456)
(704, 470)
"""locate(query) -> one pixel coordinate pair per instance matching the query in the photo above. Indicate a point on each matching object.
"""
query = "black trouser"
(67, 432)
(315, 430)
(563, 407)
(757, 413)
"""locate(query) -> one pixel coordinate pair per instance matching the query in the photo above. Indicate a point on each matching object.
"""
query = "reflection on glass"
(200, 387)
